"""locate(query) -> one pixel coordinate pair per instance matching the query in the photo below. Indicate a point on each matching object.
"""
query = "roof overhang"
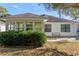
(2, 19)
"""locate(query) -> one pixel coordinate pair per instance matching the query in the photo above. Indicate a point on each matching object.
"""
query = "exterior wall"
(56, 29)
(25, 21)
(2, 26)
(56, 26)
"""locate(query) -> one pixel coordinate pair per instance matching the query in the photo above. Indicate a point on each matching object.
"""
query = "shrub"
(22, 38)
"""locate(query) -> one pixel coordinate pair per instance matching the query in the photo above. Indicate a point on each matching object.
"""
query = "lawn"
(49, 49)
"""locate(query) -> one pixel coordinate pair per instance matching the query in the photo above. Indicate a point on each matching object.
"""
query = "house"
(78, 28)
(50, 25)
(2, 25)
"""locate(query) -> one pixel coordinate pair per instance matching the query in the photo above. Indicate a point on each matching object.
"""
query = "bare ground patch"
(49, 49)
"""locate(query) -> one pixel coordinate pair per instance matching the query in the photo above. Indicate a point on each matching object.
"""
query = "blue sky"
(18, 8)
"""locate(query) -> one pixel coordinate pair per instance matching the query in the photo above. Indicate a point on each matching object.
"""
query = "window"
(10, 27)
(29, 27)
(47, 27)
(65, 27)
(20, 26)
(38, 26)
(77, 29)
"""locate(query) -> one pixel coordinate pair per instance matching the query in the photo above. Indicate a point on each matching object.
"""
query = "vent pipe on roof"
(45, 16)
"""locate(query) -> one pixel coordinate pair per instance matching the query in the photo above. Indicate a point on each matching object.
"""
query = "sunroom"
(23, 24)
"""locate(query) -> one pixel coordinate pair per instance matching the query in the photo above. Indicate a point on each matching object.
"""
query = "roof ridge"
(31, 15)
(26, 13)
(55, 17)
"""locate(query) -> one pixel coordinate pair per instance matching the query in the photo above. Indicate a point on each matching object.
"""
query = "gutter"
(3, 20)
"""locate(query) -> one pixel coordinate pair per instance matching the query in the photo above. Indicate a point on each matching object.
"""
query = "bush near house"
(28, 38)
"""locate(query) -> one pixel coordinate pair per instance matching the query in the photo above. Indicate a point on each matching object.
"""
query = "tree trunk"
(59, 12)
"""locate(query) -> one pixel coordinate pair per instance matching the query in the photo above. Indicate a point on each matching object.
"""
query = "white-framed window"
(20, 26)
(10, 27)
(29, 27)
(38, 26)
(47, 28)
(65, 27)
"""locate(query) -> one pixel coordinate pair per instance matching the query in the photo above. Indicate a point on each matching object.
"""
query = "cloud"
(16, 6)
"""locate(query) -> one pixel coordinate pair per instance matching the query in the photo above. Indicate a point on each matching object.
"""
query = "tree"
(52, 6)
(3, 12)
(68, 9)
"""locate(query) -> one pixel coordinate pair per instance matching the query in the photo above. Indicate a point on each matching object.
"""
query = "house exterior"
(50, 25)
(2, 25)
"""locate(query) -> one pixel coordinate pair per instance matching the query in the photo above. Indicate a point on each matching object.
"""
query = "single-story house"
(50, 25)
(2, 25)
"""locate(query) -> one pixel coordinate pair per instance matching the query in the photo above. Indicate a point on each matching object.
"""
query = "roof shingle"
(49, 18)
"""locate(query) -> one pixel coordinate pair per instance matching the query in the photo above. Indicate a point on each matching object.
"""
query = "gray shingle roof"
(25, 15)
(30, 15)
(56, 19)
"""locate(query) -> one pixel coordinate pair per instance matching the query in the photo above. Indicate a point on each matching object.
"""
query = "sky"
(19, 8)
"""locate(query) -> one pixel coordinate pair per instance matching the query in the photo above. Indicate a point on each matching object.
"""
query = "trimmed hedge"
(28, 38)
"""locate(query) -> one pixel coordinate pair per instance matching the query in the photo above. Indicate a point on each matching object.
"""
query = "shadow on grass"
(50, 52)
(16, 48)
(34, 52)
